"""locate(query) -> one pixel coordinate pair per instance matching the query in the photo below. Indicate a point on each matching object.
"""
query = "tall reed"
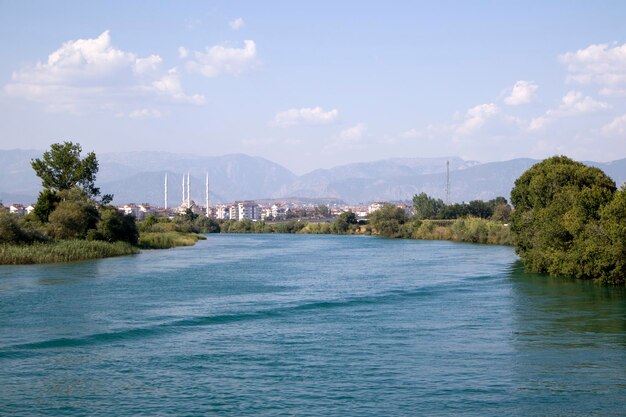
(62, 251)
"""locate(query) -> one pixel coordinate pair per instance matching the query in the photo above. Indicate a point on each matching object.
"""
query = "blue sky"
(316, 84)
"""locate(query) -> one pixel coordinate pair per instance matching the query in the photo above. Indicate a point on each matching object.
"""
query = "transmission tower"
(447, 182)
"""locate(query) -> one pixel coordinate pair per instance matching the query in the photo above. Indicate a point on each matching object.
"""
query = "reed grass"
(62, 251)
(470, 229)
(166, 240)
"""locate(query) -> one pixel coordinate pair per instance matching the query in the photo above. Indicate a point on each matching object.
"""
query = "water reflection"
(554, 305)
(569, 339)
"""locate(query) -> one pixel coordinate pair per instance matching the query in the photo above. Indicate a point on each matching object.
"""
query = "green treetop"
(61, 168)
(564, 210)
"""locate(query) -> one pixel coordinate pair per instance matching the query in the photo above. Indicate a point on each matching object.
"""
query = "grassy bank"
(470, 229)
(62, 251)
(166, 240)
(79, 250)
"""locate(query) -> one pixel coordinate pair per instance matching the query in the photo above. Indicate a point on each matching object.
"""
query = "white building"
(138, 211)
(248, 210)
(233, 212)
(222, 212)
(377, 205)
(130, 210)
(17, 209)
(279, 212)
(362, 213)
(266, 212)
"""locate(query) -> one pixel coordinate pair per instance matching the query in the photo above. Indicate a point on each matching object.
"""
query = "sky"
(317, 84)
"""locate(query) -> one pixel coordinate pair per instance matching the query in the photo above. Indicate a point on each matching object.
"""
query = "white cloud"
(144, 114)
(476, 117)
(220, 59)
(354, 133)
(312, 115)
(85, 74)
(411, 133)
(147, 65)
(598, 64)
(183, 52)
(237, 23)
(169, 85)
(616, 127)
(538, 123)
(573, 103)
(523, 92)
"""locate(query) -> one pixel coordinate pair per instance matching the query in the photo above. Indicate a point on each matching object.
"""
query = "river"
(269, 325)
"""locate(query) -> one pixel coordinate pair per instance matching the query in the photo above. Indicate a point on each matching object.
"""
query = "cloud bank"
(220, 59)
(304, 116)
(88, 73)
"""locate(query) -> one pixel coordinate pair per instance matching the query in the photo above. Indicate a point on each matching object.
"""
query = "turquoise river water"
(271, 325)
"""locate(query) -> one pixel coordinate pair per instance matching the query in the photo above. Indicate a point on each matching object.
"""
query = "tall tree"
(555, 203)
(427, 207)
(389, 221)
(62, 168)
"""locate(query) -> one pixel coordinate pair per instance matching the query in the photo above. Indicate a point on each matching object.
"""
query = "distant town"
(252, 210)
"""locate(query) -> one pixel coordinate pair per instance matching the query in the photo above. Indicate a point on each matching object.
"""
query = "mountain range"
(139, 177)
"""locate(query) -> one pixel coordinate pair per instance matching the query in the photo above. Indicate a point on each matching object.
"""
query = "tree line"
(567, 218)
(70, 206)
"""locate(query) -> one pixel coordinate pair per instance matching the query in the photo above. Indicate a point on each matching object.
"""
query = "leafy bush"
(567, 221)
(116, 226)
(14, 229)
(73, 216)
(388, 221)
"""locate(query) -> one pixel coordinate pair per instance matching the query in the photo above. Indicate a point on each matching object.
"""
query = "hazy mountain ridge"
(139, 177)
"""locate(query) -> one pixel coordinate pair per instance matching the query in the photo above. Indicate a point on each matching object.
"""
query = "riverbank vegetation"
(71, 220)
(570, 220)
(165, 233)
(62, 251)
(390, 222)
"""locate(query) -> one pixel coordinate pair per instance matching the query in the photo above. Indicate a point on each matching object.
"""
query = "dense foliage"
(61, 168)
(389, 221)
(67, 218)
(569, 220)
(427, 207)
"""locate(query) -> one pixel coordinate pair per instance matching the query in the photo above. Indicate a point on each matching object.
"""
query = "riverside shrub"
(569, 220)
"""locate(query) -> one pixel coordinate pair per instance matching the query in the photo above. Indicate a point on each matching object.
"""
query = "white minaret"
(207, 194)
(188, 193)
(183, 203)
(166, 191)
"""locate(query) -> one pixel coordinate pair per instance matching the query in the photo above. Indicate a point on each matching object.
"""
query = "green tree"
(150, 221)
(557, 203)
(600, 251)
(189, 215)
(345, 221)
(73, 217)
(389, 221)
(482, 209)
(46, 203)
(502, 213)
(62, 168)
(427, 207)
(14, 229)
(116, 226)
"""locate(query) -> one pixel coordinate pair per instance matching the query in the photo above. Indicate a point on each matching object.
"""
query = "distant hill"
(139, 177)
